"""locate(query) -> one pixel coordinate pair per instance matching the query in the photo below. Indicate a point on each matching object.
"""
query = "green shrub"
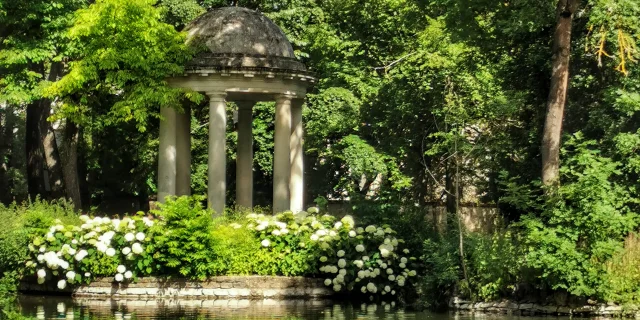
(21, 221)
(236, 250)
(183, 242)
(622, 279)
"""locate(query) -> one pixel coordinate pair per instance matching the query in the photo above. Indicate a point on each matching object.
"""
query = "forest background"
(418, 103)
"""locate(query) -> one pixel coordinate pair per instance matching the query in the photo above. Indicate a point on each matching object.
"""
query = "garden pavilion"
(246, 59)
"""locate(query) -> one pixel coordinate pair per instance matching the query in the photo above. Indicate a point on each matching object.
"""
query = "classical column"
(281, 161)
(183, 152)
(296, 184)
(167, 154)
(217, 156)
(244, 157)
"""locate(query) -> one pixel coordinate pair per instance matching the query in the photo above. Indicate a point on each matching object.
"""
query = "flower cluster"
(370, 260)
(71, 254)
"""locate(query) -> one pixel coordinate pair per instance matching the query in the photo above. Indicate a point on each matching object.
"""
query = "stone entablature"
(228, 287)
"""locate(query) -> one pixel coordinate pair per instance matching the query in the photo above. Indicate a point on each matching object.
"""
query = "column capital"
(284, 97)
(216, 95)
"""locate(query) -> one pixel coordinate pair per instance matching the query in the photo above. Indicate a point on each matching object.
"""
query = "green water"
(49, 307)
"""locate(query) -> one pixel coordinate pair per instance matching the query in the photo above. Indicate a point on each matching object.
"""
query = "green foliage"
(20, 222)
(583, 225)
(124, 51)
(183, 241)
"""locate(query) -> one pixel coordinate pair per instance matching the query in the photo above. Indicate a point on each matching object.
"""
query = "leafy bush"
(183, 241)
(581, 226)
(20, 221)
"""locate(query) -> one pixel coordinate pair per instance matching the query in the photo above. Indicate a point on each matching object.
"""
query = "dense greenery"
(418, 105)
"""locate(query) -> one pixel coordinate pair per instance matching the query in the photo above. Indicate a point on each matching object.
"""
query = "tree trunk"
(54, 165)
(37, 145)
(552, 133)
(70, 164)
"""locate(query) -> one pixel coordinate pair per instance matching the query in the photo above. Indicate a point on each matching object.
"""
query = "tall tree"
(552, 133)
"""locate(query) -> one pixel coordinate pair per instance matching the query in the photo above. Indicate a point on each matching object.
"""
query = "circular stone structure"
(242, 57)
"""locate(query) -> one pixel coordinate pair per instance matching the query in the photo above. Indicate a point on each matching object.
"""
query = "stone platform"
(228, 287)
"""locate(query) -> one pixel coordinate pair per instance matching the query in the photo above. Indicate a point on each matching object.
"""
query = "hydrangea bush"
(98, 247)
(370, 260)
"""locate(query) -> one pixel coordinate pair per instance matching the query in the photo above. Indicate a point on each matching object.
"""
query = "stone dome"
(240, 38)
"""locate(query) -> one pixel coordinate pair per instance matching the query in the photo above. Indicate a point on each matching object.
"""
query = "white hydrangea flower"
(84, 218)
(363, 289)
(126, 250)
(340, 253)
(365, 258)
(128, 275)
(389, 271)
(325, 246)
(42, 273)
(313, 210)
(412, 273)
(337, 287)
(265, 242)
(406, 251)
(359, 230)
(87, 274)
(70, 275)
(62, 284)
(387, 241)
(379, 233)
(140, 236)
(81, 254)
(40, 258)
(372, 287)
(119, 277)
(342, 263)
(402, 265)
(403, 260)
(383, 265)
(63, 264)
(394, 242)
(41, 280)
(323, 259)
(275, 232)
(360, 248)
(314, 237)
(342, 272)
(370, 229)
(401, 283)
(392, 277)
(376, 271)
(284, 231)
(136, 248)
(361, 274)
(101, 247)
(121, 269)
(387, 288)
(110, 252)
(337, 225)
(352, 233)
(393, 292)
(327, 282)
(359, 263)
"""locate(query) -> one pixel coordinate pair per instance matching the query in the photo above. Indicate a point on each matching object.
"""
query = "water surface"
(48, 307)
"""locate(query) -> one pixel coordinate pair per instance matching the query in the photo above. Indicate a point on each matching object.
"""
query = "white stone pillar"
(217, 164)
(296, 182)
(244, 157)
(281, 154)
(183, 152)
(167, 154)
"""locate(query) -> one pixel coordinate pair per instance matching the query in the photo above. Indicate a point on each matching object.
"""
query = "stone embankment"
(236, 287)
(531, 309)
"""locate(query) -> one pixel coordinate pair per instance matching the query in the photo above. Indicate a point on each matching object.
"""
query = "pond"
(49, 307)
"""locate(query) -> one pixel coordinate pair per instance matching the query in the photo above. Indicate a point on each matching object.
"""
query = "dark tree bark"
(552, 133)
(54, 164)
(70, 164)
(37, 128)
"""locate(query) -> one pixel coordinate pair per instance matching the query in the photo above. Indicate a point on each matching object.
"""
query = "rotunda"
(245, 58)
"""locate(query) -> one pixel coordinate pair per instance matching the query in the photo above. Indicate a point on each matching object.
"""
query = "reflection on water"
(90, 309)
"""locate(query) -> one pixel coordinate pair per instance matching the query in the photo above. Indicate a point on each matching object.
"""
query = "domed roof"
(239, 38)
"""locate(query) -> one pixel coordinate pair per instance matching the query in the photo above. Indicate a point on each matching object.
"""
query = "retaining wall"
(530, 309)
(247, 287)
